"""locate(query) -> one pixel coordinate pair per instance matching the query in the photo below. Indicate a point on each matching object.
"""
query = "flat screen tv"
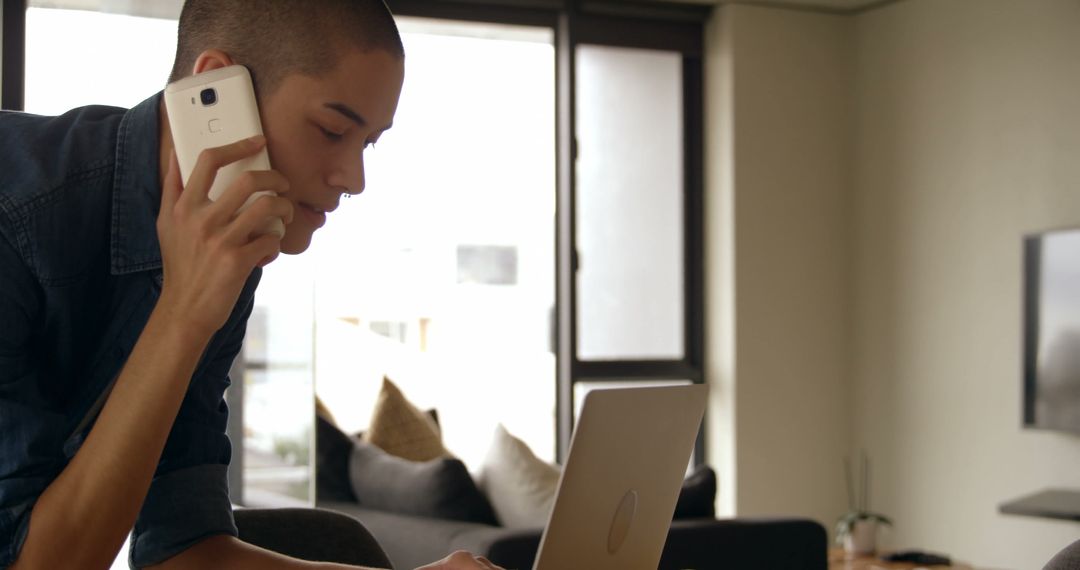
(1052, 331)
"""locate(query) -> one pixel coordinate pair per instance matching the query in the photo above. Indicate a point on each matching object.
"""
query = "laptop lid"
(622, 477)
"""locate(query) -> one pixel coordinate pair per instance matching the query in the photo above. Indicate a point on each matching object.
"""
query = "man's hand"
(208, 250)
(461, 560)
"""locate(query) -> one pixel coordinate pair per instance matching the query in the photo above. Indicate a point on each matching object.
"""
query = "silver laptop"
(618, 489)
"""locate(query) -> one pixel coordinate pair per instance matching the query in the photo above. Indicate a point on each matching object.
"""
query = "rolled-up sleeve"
(188, 499)
(30, 429)
(182, 508)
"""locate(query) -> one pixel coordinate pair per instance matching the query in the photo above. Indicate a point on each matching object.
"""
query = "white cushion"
(520, 486)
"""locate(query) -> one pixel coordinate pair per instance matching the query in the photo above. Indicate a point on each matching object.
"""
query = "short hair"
(275, 38)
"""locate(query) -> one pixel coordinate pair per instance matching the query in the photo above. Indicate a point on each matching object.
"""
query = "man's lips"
(316, 213)
(320, 209)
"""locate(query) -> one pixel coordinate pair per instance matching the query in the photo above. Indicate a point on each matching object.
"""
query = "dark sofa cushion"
(441, 488)
(697, 499)
(332, 450)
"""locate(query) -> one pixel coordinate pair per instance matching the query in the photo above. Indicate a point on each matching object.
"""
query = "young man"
(124, 296)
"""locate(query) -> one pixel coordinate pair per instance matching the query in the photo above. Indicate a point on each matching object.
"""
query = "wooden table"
(838, 561)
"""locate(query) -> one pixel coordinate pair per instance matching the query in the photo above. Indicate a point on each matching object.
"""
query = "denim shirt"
(80, 272)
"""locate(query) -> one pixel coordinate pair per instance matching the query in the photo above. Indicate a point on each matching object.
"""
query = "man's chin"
(293, 243)
(293, 249)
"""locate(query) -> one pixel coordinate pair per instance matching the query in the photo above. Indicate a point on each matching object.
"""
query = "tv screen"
(1052, 331)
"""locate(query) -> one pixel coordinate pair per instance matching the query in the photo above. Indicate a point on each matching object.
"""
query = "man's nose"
(356, 177)
(349, 177)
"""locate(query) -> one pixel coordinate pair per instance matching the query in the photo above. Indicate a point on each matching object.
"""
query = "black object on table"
(918, 557)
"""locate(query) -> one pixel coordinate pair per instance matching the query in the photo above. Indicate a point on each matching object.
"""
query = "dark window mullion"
(683, 37)
(13, 78)
(566, 238)
(694, 172)
(539, 13)
(622, 370)
(694, 210)
(651, 11)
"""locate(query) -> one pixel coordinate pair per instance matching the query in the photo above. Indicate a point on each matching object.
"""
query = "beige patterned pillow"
(400, 428)
(323, 412)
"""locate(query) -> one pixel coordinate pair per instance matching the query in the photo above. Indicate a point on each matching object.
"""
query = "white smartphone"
(212, 109)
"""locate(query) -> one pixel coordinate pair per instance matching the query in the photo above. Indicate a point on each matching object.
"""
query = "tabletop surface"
(838, 560)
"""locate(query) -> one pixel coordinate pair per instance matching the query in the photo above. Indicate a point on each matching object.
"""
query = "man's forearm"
(223, 551)
(82, 518)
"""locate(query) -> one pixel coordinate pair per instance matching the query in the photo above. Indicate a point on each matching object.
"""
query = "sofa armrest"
(746, 543)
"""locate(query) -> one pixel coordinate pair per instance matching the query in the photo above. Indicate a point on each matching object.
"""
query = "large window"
(441, 274)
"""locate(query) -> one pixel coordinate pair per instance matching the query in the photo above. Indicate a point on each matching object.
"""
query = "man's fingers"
(211, 159)
(256, 217)
(261, 251)
(245, 185)
(461, 560)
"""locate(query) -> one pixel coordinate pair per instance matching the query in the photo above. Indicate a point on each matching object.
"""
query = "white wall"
(968, 136)
(869, 180)
(778, 168)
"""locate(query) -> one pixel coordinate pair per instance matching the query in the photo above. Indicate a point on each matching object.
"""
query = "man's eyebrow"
(349, 113)
(352, 115)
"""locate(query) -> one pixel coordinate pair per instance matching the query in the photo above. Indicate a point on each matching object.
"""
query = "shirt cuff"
(14, 525)
(181, 508)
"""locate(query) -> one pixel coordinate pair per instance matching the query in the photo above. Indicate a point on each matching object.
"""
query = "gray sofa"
(702, 544)
(421, 512)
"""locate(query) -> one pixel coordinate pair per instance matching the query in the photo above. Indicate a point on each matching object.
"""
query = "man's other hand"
(461, 560)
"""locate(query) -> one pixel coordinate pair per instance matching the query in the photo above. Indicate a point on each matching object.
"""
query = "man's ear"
(211, 59)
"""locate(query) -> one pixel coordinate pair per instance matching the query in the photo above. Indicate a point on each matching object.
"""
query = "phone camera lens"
(208, 97)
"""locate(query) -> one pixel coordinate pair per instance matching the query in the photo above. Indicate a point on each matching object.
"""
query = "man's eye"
(331, 134)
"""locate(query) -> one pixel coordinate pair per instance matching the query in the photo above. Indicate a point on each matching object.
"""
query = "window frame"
(13, 64)
(648, 26)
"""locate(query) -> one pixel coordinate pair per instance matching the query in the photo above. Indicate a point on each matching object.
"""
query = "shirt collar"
(136, 196)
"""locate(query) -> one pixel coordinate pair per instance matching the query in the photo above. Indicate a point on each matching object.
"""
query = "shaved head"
(276, 38)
